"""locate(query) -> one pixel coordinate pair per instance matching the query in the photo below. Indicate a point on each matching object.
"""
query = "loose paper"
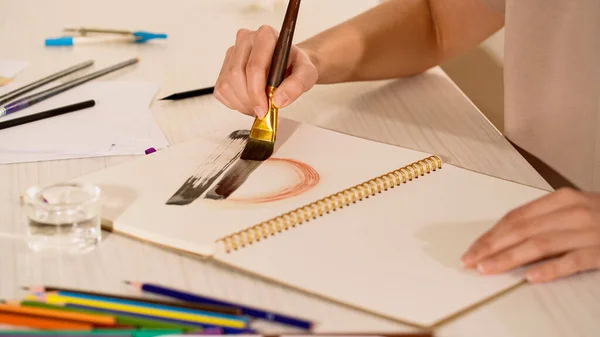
(121, 123)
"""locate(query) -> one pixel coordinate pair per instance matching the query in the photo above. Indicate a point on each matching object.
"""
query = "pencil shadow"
(447, 242)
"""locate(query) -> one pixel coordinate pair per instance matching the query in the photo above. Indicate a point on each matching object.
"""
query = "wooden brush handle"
(284, 44)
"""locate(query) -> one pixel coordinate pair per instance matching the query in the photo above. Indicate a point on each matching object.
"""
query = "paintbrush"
(261, 140)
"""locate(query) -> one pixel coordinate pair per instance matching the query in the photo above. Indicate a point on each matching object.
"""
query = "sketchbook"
(372, 226)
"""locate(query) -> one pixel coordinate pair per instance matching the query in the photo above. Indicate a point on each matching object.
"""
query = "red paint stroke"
(307, 177)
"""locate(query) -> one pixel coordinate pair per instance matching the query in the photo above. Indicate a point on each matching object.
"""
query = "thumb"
(302, 79)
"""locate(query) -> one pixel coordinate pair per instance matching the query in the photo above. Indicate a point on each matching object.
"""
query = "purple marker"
(16, 106)
(150, 150)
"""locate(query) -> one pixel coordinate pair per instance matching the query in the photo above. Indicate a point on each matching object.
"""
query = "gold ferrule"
(266, 128)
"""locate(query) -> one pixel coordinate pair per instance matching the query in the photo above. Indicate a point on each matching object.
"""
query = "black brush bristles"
(258, 150)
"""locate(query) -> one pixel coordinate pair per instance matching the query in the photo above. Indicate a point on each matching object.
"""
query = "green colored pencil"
(120, 319)
(99, 332)
(138, 333)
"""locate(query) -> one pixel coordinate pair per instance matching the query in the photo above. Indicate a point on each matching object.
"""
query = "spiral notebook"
(372, 226)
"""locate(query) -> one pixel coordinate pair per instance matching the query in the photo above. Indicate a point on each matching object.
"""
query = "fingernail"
(467, 258)
(484, 267)
(533, 276)
(260, 112)
(280, 99)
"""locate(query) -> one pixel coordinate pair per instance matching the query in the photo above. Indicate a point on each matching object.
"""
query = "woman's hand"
(241, 84)
(562, 227)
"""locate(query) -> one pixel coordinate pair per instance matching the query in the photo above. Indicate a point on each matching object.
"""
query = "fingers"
(550, 202)
(569, 264)
(539, 247)
(241, 84)
(224, 90)
(546, 204)
(230, 87)
(237, 69)
(258, 67)
(542, 215)
(221, 86)
(302, 78)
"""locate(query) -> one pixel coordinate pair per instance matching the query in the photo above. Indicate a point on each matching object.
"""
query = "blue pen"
(248, 311)
(135, 37)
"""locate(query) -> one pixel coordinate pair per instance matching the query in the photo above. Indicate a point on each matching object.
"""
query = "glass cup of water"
(63, 217)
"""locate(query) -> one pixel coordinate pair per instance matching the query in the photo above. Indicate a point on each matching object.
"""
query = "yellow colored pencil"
(141, 310)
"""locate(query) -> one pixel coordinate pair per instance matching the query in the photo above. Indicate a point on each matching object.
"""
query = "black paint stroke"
(233, 179)
(216, 163)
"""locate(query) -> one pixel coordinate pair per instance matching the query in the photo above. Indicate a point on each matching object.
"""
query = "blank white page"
(396, 254)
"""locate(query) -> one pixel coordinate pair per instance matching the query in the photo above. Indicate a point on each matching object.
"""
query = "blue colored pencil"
(248, 311)
(150, 305)
(225, 330)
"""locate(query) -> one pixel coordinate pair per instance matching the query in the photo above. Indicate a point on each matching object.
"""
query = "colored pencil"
(189, 94)
(148, 305)
(225, 330)
(36, 84)
(30, 100)
(121, 319)
(68, 316)
(96, 333)
(42, 322)
(47, 114)
(247, 311)
(203, 307)
(148, 309)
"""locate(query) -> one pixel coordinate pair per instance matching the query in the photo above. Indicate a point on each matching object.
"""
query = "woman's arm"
(394, 39)
(400, 38)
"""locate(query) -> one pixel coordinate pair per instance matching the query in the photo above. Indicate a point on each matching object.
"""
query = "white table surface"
(426, 112)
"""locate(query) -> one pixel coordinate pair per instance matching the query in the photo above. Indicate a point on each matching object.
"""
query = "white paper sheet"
(10, 68)
(121, 123)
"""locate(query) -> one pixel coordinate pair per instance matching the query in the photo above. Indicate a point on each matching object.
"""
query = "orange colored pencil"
(42, 323)
(61, 315)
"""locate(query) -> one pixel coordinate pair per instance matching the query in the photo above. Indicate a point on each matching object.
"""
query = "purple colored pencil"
(208, 331)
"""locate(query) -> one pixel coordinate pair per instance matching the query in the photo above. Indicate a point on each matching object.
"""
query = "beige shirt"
(552, 84)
